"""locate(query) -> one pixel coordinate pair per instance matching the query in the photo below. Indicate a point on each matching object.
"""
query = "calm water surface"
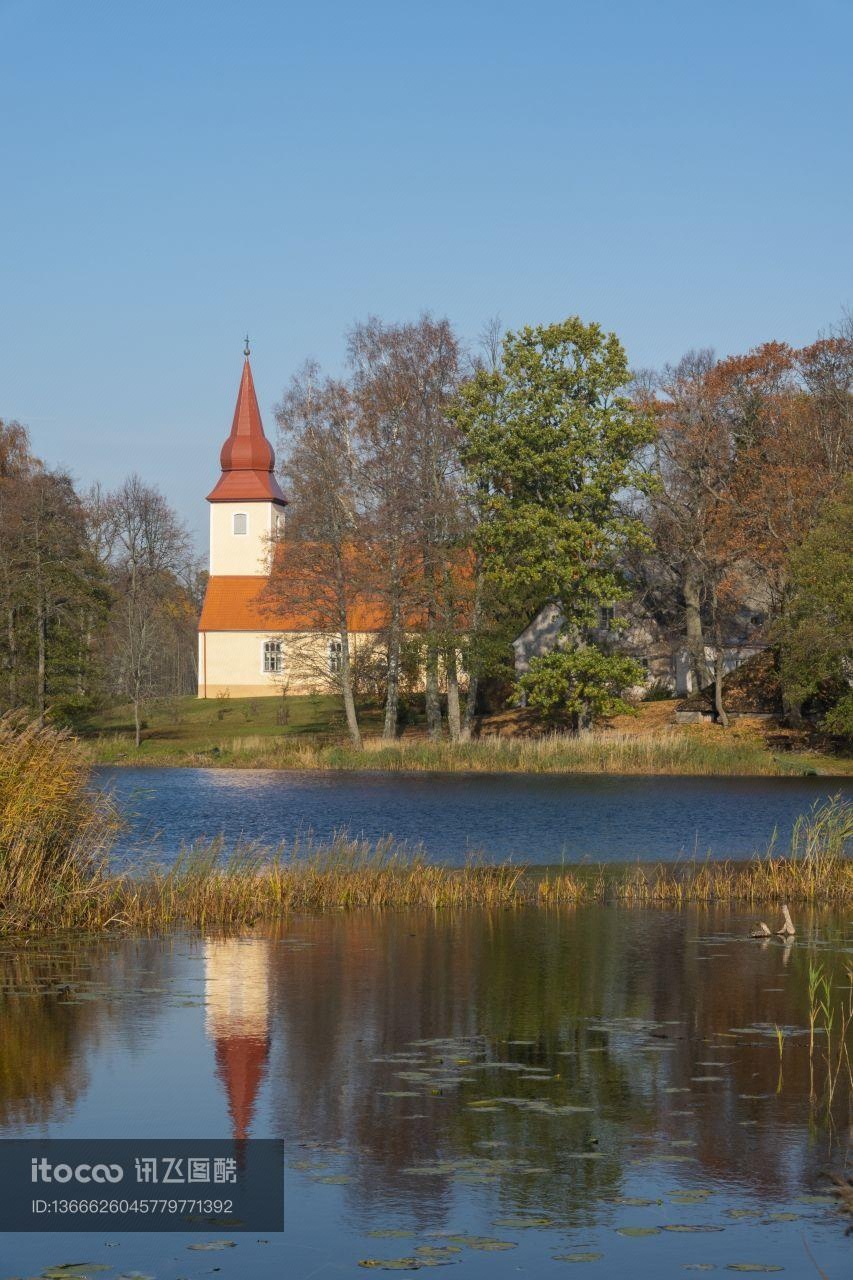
(546, 1080)
(536, 818)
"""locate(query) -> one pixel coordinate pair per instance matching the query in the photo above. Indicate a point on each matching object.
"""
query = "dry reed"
(673, 751)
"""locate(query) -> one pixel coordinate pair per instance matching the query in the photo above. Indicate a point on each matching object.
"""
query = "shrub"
(583, 683)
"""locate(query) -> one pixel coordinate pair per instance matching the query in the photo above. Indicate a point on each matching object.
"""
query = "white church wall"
(232, 662)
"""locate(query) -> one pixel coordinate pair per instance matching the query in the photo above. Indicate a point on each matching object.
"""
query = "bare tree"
(382, 395)
(321, 572)
(405, 377)
(149, 551)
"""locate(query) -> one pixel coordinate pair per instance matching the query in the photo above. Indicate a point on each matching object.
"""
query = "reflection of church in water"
(236, 984)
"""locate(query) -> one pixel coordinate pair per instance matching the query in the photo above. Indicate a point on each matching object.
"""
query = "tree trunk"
(473, 677)
(691, 589)
(433, 704)
(346, 685)
(392, 695)
(792, 709)
(719, 663)
(470, 709)
(41, 674)
(137, 719)
(13, 657)
(454, 719)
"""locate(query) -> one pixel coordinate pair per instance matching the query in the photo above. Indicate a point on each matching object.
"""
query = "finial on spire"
(246, 348)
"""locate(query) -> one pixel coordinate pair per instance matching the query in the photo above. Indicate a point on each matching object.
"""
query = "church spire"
(247, 457)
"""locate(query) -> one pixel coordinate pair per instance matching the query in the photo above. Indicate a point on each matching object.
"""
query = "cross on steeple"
(246, 347)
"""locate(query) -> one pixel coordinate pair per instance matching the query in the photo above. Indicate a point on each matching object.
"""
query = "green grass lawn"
(309, 732)
(187, 726)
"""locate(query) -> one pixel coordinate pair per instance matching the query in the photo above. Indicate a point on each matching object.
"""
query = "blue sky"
(173, 174)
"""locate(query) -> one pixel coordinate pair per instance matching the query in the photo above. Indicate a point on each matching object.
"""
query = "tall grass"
(671, 751)
(55, 836)
(55, 833)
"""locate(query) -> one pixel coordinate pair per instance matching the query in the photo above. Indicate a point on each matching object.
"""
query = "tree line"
(99, 592)
(451, 493)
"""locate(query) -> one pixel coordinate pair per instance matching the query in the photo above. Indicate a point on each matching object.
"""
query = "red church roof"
(237, 603)
(247, 457)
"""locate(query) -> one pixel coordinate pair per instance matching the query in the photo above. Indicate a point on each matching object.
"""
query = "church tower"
(240, 646)
(246, 503)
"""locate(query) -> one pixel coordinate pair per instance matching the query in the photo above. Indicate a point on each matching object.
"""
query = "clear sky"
(174, 174)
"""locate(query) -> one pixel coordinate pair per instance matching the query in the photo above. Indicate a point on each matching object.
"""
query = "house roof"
(247, 458)
(237, 604)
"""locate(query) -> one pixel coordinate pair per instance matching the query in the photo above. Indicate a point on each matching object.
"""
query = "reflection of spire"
(237, 1020)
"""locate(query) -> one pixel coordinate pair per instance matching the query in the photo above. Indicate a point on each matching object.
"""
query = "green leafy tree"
(551, 446)
(583, 683)
(815, 634)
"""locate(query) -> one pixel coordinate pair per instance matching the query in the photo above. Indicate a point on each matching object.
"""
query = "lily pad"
(638, 1231)
(524, 1221)
(390, 1233)
(689, 1227)
(484, 1244)
(391, 1264)
(578, 1257)
(213, 1246)
(77, 1269)
(752, 1266)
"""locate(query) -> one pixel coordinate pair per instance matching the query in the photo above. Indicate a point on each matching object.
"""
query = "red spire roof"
(247, 457)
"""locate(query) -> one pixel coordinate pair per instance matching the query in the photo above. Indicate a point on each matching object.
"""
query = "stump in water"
(787, 930)
(760, 931)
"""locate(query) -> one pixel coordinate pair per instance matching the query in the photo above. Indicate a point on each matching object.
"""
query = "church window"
(336, 650)
(273, 657)
(241, 522)
(606, 614)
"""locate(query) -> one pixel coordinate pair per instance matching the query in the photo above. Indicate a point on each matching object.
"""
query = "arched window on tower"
(240, 522)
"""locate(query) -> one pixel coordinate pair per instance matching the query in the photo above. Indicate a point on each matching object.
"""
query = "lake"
(535, 818)
(509, 1094)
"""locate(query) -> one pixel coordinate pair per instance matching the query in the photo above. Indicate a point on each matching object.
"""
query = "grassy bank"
(55, 838)
(305, 733)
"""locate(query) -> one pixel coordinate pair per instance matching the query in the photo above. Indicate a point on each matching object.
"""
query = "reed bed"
(670, 751)
(55, 835)
(55, 832)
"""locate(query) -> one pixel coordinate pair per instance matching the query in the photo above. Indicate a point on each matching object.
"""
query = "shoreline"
(674, 756)
(251, 888)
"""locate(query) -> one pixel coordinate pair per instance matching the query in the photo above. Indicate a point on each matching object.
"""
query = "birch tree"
(321, 573)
